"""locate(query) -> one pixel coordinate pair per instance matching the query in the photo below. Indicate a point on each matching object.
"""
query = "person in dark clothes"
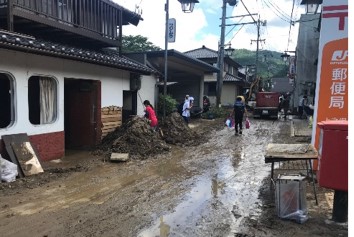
(302, 103)
(285, 105)
(206, 104)
(239, 110)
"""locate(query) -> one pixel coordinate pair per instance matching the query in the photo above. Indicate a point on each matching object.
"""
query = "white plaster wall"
(23, 65)
(147, 92)
(210, 77)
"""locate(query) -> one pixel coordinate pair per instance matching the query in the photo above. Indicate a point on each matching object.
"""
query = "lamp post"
(221, 51)
(229, 51)
(291, 59)
(187, 7)
(285, 56)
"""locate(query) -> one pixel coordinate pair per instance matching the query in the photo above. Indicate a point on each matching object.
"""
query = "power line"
(234, 27)
(281, 17)
(279, 10)
(236, 33)
(292, 11)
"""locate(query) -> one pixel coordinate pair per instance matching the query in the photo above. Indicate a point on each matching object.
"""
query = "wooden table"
(291, 152)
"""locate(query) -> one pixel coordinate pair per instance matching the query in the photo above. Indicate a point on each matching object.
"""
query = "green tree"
(138, 43)
(170, 106)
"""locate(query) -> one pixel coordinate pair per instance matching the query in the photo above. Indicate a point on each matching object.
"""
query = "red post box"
(333, 155)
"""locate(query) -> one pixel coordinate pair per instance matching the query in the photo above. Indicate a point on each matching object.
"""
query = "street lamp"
(285, 56)
(229, 51)
(311, 5)
(187, 6)
(221, 52)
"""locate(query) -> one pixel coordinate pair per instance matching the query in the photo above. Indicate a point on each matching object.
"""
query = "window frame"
(56, 103)
(13, 107)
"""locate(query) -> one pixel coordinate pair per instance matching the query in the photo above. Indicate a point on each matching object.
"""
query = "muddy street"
(218, 188)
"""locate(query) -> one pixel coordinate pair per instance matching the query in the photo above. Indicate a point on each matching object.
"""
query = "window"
(229, 70)
(211, 90)
(6, 101)
(42, 100)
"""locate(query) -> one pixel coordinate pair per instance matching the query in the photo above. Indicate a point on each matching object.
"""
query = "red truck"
(267, 105)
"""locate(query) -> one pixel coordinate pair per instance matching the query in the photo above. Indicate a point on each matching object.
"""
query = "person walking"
(150, 114)
(285, 105)
(302, 103)
(186, 110)
(238, 112)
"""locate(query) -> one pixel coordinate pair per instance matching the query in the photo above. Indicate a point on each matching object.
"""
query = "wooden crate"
(111, 118)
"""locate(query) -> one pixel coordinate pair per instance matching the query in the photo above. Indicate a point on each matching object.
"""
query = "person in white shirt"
(186, 111)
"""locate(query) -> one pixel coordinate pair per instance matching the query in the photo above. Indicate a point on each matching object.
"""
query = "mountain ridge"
(270, 63)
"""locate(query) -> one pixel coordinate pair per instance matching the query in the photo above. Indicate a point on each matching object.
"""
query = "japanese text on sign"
(171, 30)
(339, 79)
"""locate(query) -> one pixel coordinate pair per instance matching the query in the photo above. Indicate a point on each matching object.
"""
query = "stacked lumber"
(111, 118)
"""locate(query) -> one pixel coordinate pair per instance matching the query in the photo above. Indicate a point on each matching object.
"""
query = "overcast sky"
(202, 26)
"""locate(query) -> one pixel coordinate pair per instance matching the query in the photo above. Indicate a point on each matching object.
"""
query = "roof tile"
(30, 44)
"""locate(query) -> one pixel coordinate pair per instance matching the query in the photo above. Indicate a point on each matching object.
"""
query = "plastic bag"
(290, 196)
(228, 123)
(8, 170)
(247, 123)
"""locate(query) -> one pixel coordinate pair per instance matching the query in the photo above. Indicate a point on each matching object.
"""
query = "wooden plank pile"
(111, 118)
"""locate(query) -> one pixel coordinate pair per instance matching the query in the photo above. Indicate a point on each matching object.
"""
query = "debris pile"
(137, 138)
(134, 137)
(176, 131)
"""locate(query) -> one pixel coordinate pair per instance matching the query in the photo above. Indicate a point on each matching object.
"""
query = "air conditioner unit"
(135, 82)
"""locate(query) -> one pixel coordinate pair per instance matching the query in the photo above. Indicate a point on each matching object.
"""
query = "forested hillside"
(270, 64)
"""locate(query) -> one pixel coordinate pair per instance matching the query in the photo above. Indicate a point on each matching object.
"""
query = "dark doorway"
(81, 105)
(129, 105)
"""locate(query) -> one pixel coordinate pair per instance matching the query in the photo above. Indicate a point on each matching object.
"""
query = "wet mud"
(218, 187)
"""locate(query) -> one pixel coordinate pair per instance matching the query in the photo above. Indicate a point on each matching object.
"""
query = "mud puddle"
(225, 193)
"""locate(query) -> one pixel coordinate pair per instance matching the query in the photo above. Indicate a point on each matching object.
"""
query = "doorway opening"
(82, 118)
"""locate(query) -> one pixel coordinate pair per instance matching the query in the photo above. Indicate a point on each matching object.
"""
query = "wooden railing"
(100, 16)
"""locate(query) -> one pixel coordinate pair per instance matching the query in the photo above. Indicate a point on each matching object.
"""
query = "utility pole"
(257, 41)
(221, 54)
(221, 48)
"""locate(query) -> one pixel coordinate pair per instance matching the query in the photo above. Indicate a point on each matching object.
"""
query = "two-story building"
(63, 80)
(58, 79)
(233, 79)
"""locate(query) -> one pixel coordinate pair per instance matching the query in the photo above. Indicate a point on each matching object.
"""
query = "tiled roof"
(205, 53)
(176, 54)
(202, 52)
(30, 44)
(231, 78)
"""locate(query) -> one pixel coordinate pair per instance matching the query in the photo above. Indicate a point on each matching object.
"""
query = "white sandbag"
(8, 170)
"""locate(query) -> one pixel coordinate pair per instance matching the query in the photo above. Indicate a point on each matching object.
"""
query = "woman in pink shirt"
(150, 114)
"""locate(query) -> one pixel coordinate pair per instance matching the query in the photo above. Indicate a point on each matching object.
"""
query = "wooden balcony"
(87, 23)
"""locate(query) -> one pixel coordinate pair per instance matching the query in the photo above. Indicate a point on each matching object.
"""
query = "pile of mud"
(176, 131)
(137, 138)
